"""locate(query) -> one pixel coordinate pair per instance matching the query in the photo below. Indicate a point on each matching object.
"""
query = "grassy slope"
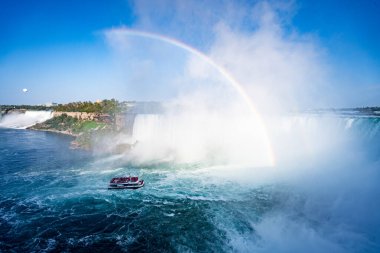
(70, 124)
(82, 129)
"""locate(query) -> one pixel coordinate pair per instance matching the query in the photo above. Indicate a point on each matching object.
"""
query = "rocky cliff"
(99, 117)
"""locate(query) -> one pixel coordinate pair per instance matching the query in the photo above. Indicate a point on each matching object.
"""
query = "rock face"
(99, 117)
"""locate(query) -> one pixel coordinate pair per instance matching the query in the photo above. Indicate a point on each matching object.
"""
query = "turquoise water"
(54, 199)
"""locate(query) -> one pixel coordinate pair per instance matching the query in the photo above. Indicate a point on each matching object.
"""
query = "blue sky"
(57, 51)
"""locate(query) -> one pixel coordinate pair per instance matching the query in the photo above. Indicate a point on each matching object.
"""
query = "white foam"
(24, 120)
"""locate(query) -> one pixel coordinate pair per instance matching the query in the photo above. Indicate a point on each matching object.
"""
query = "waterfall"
(146, 126)
(193, 137)
(364, 127)
(22, 120)
(311, 136)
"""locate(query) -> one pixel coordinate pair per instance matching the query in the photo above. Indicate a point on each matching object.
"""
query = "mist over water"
(332, 164)
(323, 201)
(199, 135)
(219, 176)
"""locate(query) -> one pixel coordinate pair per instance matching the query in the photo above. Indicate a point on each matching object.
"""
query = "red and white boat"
(125, 183)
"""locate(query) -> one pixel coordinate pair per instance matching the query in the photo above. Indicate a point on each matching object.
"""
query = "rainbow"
(231, 80)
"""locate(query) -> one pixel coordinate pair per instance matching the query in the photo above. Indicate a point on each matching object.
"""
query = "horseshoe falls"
(321, 196)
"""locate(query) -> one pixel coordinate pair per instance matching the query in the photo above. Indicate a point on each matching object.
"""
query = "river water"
(53, 199)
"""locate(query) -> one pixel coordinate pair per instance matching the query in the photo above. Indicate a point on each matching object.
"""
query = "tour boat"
(125, 183)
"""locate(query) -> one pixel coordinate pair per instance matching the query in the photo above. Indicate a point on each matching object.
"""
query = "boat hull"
(126, 186)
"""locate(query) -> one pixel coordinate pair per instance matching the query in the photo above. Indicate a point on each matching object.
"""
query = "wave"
(23, 120)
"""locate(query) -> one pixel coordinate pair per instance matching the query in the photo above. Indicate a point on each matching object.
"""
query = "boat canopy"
(116, 180)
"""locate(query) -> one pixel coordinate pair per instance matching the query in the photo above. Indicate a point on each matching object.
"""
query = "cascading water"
(146, 126)
(199, 137)
(367, 127)
(317, 135)
(323, 198)
(22, 120)
(363, 128)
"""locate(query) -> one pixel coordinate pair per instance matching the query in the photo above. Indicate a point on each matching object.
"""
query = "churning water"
(55, 199)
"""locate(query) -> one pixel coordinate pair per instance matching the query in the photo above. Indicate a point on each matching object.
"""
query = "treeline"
(362, 110)
(71, 124)
(26, 107)
(368, 109)
(111, 106)
(61, 123)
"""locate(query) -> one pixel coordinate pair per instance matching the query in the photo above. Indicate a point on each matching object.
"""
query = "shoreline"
(54, 131)
(74, 144)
